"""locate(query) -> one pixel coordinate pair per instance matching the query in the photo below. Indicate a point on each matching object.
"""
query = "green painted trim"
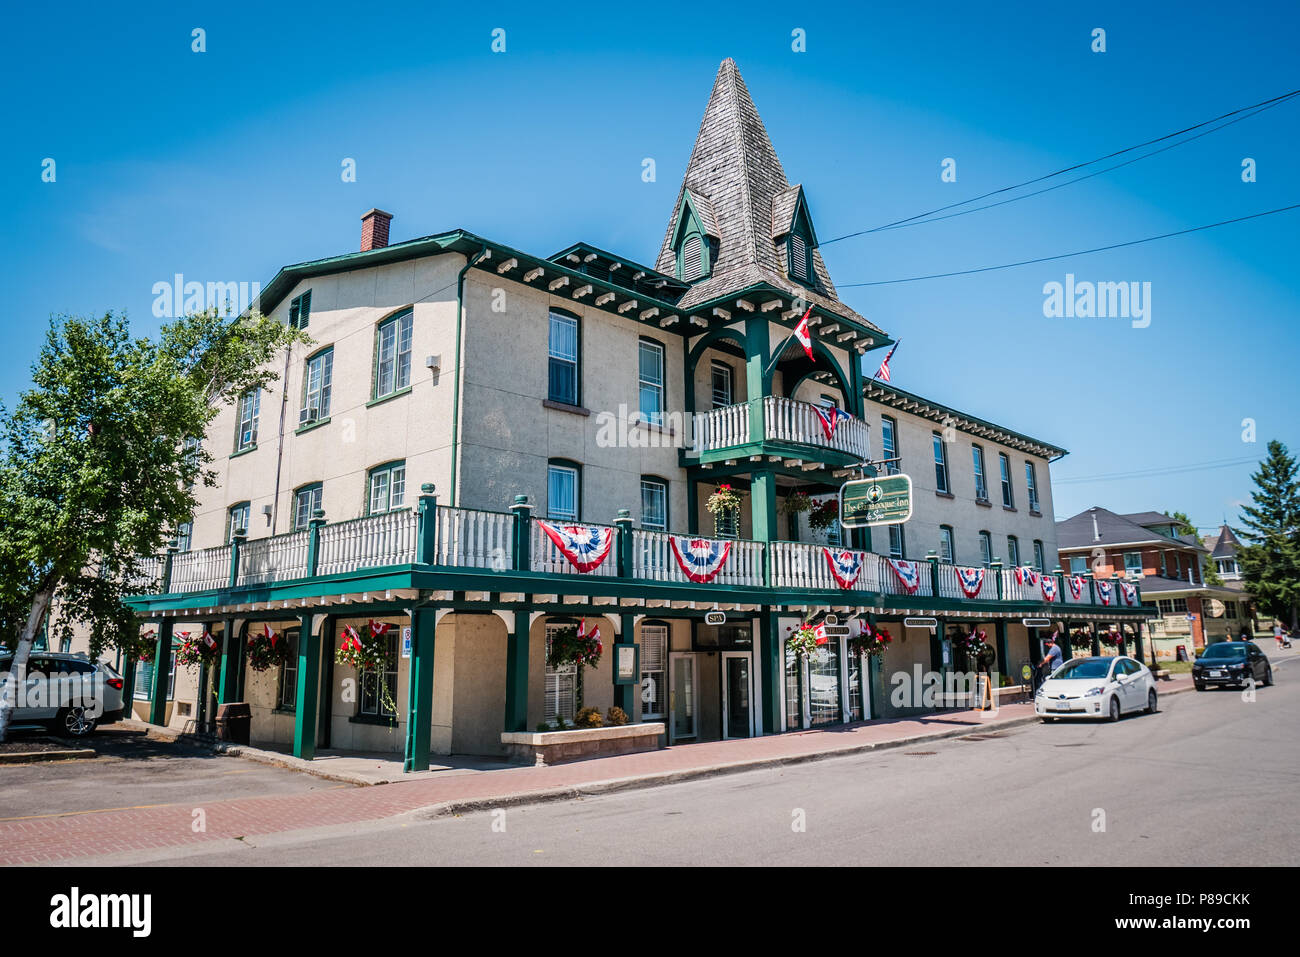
(460, 370)
(392, 395)
(420, 689)
(162, 668)
(304, 722)
(311, 425)
(243, 451)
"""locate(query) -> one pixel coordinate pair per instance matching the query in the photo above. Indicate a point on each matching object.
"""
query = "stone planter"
(540, 748)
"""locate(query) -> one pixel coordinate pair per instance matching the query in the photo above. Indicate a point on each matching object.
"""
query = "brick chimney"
(374, 229)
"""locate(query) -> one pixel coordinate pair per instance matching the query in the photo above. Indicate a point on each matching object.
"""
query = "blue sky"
(225, 165)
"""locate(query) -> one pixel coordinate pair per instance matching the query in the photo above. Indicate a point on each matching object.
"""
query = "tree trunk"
(18, 667)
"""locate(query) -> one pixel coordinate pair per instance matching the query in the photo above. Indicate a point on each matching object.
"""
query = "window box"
(540, 748)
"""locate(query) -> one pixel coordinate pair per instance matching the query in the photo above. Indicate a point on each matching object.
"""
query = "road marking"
(100, 810)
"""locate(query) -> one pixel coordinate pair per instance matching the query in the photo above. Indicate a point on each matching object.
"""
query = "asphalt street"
(1209, 780)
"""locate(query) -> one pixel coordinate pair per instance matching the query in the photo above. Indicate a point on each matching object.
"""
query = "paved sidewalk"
(66, 838)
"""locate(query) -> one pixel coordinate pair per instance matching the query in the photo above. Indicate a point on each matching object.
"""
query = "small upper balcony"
(798, 432)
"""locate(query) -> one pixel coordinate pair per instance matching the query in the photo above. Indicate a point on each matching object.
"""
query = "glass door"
(737, 695)
(681, 697)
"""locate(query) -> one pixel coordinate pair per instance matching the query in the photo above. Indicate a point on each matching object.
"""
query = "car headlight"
(1039, 693)
(1093, 692)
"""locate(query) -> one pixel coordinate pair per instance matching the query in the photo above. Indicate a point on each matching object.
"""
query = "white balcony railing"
(371, 542)
(784, 420)
(203, 570)
(274, 559)
(546, 557)
(469, 538)
(653, 560)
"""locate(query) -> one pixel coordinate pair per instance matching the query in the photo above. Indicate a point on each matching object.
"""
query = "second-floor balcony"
(780, 426)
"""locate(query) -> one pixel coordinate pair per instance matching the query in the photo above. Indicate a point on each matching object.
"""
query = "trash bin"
(234, 722)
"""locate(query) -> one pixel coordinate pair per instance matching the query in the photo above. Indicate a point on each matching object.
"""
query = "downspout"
(460, 374)
(279, 450)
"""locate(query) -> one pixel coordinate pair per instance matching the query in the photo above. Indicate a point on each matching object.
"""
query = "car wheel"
(74, 722)
(1151, 701)
(1046, 720)
(1268, 676)
(1199, 686)
(1114, 708)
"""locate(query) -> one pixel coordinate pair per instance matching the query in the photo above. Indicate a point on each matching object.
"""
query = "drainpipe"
(279, 449)
(460, 374)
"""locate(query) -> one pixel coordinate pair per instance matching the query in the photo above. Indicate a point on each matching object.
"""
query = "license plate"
(1216, 674)
(1061, 705)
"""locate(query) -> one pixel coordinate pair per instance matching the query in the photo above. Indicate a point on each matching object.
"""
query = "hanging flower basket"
(146, 648)
(369, 653)
(796, 502)
(803, 642)
(570, 647)
(725, 500)
(195, 651)
(267, 650)
(873, 643)
(823, 514)
(977, 648)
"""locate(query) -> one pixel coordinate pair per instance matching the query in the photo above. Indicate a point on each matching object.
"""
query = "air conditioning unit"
(308, 415)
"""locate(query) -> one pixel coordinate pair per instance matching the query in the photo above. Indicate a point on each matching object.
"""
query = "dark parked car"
(1231, 663)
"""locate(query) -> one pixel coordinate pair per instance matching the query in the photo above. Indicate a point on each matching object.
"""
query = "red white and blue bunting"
(699, 558)
(585, 546)
(1128, 592)
(1048, 583)
(909, 573)
(1105, 591)
(1026, 576)
(845, 566)
(831, 416)
(1077, 583)
(971, 581)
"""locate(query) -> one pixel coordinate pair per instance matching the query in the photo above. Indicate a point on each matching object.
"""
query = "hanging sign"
(883, 500)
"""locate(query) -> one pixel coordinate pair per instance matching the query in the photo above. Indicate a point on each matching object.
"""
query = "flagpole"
(776, 355)
(897, 343)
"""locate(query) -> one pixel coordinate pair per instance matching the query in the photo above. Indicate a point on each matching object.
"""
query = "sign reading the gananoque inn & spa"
(883, 500)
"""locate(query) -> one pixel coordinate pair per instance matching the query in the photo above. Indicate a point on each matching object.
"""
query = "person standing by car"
(1052, 660)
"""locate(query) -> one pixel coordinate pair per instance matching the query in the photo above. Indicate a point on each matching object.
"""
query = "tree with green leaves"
(1183, 526)
(1270, 558)
(99, 463)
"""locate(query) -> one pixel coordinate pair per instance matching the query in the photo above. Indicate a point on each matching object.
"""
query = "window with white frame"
(1031, 485)
(1013, 551)
(986, 549)
(563, 359)
(289, 673)
(946, 550)
(184, 536)
(562, 492)
(897, 545)
(387, 489)
(889, 445)
(373, 703)
(650, 380)
(1133, 563)
(561, 682)
(1004, 466)
(981, 486)
(654, 504)
(237, 520)
(246, 431)
(393, 354)
(318, 382)
(654, 669)
(721, 384)
(306, 501)
(1038, 556)
(1078, 565)
(940, 463)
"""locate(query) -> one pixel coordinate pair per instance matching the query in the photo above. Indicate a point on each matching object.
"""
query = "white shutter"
(692, 259)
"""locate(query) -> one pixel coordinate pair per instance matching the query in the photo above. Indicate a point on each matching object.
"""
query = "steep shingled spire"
(738, 187)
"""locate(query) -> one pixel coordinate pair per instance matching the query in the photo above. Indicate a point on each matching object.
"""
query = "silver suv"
(69, 694)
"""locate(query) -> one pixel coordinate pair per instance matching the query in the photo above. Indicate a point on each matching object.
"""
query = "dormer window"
(798, 257)
(692, 259)
(694, 238)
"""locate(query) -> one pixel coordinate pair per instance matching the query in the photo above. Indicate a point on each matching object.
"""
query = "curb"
(30, 757)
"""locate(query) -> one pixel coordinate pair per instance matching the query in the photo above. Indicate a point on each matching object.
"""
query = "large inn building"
(459, 395)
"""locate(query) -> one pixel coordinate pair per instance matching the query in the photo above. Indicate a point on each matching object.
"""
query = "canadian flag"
(801, 333)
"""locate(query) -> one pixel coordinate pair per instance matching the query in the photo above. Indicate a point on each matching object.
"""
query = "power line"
(1081, 252)
(1155, 472)
(1273, 101)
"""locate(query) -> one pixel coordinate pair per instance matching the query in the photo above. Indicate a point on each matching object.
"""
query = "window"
(654, 504)
(986, 549)
(1178, 565)
(1004, 466)
(289, 673)
(692, 265)
(238, 520)
(300, 311)
(726, 525)
(306, 501)
(897, 545)
(246, 431)
(981, 486)
(562, 492)
(650, 380)
(144, 679)
(184, 536)
(722, 390)
(940, 464)
(1173, 606)
(1031, 485)
(1038, 555)
(1013, 551)
(317, 384)
(387, 486)
(889, 445)
(1164, 568)
(373, 703)
(654, 674)
(946, 550)
(563, 353)
(1133, 563)
(393, 354)
(560, 682)
(798, 257)
(1078, 565)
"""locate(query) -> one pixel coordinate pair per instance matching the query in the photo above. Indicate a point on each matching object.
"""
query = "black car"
(1231, 663)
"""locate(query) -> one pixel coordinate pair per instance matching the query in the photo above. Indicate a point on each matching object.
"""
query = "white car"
(1096, 688)
(69, 694)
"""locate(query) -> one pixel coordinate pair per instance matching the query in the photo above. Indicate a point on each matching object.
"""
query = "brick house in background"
(1146, 546)
(1223, 553)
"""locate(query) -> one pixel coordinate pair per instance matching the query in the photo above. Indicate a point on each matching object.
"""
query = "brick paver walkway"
(65, 838)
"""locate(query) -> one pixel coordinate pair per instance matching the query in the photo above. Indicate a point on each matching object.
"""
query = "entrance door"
(737, 695)
(682, 706)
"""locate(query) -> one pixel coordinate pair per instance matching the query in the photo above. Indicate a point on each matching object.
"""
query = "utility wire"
(1273, 101)
(1154, 472)
(1081, 252)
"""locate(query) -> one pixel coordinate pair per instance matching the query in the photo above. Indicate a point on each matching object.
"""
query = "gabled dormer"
(695, 237)
(792, 231)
